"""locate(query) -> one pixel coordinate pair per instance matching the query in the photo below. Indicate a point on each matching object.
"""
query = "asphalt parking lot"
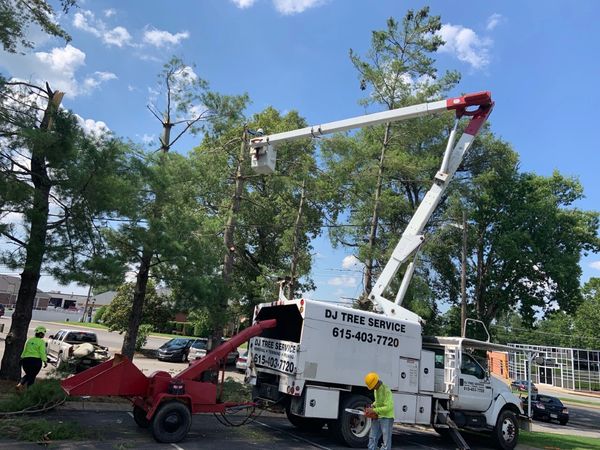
(118, 431)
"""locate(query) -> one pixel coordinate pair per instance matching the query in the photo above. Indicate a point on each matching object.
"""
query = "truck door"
(54, 343)
(474, 386)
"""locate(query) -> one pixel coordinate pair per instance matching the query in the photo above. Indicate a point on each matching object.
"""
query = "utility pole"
(463, 276)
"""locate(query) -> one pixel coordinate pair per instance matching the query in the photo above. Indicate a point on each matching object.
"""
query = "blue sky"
(539, 59)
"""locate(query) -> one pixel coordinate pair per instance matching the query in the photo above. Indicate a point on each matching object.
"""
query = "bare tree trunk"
(34, 250)
(294, 268)
(137, 307)
(369, 263)
(228, 237)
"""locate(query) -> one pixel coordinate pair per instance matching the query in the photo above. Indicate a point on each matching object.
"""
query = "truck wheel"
(304, 423)
(351, 429)
(171, 422)
(139, 415)
(506, 432)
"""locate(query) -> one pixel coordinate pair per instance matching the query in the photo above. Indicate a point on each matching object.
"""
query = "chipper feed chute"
(115, 377)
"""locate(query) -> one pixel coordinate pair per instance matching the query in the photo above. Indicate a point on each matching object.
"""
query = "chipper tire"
(351, 429)
(171, 422)
(139, 415)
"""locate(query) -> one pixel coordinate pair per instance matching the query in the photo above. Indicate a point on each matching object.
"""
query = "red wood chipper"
(161, 402)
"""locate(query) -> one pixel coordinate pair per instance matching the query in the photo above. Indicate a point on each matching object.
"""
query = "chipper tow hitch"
(163, 403)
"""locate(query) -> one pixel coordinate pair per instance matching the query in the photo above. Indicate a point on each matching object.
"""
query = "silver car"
(242, 361)
(198, 350)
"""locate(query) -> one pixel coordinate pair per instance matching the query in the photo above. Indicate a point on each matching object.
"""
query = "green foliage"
(40, 430)
(587, 316)
(234, 391)
(18, 15)
(100, 314)
(42, 392)
(553, 440)
(142, 336)
(158, 309)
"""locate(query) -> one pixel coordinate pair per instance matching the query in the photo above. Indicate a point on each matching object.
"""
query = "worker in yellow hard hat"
(381, 412)
(32, 358)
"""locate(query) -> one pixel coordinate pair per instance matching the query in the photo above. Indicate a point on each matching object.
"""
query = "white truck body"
(318, 354)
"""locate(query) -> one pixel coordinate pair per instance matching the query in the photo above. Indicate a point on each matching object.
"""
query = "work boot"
(20, 388)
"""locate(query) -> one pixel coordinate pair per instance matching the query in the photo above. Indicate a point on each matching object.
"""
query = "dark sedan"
(175, 350)
(546, 407)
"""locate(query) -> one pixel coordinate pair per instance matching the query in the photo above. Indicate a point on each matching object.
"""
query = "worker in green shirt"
(34, 354)
(381, 413)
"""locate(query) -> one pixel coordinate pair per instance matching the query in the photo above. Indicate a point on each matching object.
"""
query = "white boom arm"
(412, 237)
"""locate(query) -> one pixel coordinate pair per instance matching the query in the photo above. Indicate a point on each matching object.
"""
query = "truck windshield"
(80, 337)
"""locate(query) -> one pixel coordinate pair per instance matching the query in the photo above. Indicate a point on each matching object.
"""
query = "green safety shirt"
(384, 402)
(35, 347)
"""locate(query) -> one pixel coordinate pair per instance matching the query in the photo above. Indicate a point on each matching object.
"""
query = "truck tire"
(304, 423)
(171, 422)
(506, 432)
(139, 415)
(351, 429)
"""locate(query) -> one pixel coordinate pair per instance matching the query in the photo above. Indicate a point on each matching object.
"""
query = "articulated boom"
(412, 238)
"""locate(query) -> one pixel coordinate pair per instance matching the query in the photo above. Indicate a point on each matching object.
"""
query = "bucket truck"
(312, 363)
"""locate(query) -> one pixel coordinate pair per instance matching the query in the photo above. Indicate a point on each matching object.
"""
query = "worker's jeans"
(381, 427)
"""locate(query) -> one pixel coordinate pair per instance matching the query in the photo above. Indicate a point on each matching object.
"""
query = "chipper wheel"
(171, 422)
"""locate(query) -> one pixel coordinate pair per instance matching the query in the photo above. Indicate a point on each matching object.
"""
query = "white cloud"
(343, 281)
(162, 38)
(595, 265)
(493, 21)
(466, 45)
(118, 36)
(96, 79)
(288, 7)
(110, 12)
(80, 21)
(92, 127)
(242, 4)
(86, 21)
(350, 261)
(58, 67)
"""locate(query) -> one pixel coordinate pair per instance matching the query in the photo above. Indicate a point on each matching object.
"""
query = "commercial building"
(568, 368)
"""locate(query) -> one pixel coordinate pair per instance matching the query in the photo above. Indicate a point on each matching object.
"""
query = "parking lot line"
(314, 444)
(177, 447)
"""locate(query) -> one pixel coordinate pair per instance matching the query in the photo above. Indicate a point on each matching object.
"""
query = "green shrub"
(99, 314)
(142, 337)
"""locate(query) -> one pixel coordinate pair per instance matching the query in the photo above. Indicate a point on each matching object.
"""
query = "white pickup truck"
(76, 348)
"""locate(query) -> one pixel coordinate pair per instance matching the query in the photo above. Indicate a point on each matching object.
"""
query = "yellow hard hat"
(371, 380)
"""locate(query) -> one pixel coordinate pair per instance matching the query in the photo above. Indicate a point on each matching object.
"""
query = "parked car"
(76, 349)
(198, 350)
(546, 407)
(523, 386)
(242, 362)
(176, 349)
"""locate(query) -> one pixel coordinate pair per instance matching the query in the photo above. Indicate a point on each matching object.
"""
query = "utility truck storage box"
(317, 401)
(356, 342)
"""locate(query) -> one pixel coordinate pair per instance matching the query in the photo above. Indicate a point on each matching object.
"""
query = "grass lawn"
(558, 441)
(579, 402)
(104, 327)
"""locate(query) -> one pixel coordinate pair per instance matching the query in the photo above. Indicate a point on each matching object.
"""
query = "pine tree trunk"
(137, 308)
(294, 268)
(34, 251)
(369, 263)
(228, 237)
